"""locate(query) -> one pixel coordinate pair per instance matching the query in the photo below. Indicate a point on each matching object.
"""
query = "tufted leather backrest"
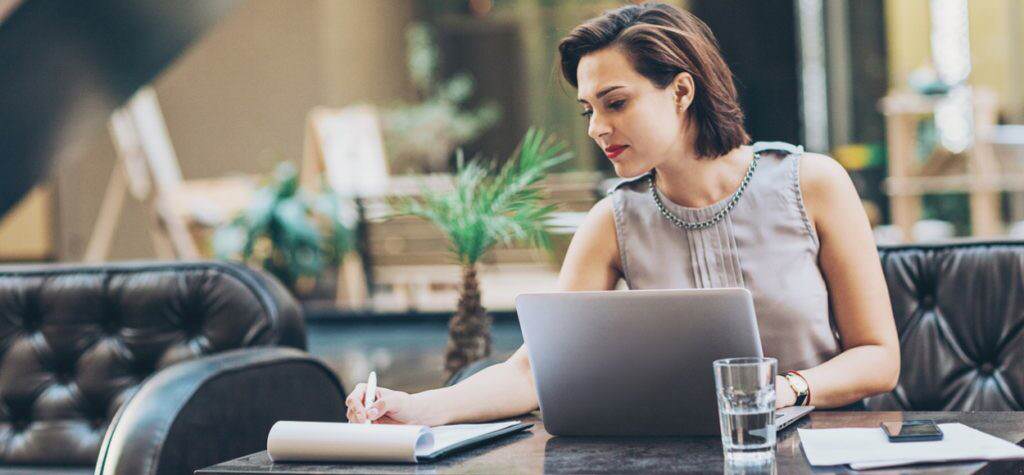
(76, 341)
(959, 311)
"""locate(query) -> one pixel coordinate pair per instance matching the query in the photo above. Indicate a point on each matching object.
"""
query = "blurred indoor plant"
(487, 205)
(292, 233)
(421, 136)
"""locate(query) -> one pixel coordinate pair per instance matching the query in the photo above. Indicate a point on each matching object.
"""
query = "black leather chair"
(150, 368)
(959, 311)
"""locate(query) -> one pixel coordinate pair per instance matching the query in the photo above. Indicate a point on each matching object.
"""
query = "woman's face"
(638, 125)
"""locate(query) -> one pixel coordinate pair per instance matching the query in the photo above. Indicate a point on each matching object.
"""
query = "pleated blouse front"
(766, 244)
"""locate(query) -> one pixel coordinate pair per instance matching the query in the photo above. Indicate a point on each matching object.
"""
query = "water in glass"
(746, 408)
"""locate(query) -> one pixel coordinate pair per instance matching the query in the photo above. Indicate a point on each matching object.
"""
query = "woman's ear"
(683, 91)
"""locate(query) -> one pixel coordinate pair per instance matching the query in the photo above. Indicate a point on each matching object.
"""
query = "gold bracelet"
(800, 387)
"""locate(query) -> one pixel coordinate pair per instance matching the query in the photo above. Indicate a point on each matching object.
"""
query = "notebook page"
(447, 436)
(300, 441)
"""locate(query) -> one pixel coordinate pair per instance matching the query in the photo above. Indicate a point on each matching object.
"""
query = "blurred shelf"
(975, 170)
(914, 186)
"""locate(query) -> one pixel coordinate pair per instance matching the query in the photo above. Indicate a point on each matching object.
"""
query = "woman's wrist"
(785, 396)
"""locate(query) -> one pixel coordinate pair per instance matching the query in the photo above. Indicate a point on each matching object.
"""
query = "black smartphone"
(912, 431)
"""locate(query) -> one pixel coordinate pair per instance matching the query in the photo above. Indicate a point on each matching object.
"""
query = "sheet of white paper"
(901, 463)
(295, 441)
(446, 436)
(869, 447)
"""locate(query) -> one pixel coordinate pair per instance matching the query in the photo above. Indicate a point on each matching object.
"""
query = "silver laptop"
(636, 362)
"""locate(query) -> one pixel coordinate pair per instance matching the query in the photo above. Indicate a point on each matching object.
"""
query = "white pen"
(371, 392)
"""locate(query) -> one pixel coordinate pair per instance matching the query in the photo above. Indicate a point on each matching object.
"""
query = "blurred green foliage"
(288, 231)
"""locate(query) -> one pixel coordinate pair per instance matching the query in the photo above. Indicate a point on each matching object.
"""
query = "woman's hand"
(389, 407)
(784, 394)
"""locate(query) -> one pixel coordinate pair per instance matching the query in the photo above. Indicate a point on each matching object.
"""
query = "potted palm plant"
(488, 205)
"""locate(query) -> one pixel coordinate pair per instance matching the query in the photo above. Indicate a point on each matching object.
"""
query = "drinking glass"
(746, 408)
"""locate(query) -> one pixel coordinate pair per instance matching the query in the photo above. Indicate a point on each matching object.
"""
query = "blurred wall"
(26, 232)
(236, 102)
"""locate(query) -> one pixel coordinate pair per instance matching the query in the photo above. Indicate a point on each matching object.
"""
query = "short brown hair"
(661, 42)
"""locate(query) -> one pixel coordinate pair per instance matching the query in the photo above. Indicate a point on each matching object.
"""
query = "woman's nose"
(597, 127)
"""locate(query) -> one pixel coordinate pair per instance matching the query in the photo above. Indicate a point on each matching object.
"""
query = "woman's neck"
(696, 182)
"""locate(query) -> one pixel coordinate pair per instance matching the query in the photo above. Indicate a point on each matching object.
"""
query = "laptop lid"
(634, 362)
(786, 416)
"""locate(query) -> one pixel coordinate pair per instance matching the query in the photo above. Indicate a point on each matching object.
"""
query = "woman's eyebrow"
(602, 92)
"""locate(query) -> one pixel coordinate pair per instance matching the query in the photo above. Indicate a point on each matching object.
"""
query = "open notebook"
(295, 441)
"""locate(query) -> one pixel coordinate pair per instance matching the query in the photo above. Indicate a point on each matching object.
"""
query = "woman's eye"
(617, 105)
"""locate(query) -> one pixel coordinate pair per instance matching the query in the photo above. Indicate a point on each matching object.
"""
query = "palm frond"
(493, 205)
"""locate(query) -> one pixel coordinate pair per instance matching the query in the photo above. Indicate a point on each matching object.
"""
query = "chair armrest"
(205, 411)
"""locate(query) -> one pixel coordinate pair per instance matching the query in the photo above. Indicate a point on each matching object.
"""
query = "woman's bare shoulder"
(598, 227)
(826, 186)
(818, 170)
(603, 209)
(592, 260)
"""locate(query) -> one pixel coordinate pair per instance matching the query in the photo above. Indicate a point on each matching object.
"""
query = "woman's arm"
(505, 389)
(870, 361)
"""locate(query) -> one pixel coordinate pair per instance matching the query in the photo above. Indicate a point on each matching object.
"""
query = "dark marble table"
(536, 451)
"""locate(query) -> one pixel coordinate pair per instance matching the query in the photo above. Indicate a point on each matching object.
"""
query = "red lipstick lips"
(613, 151)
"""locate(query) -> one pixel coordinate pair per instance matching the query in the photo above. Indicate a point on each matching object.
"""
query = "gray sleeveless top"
(765, 244)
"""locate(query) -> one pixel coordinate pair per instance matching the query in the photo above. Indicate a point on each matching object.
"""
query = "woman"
(699, 209)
